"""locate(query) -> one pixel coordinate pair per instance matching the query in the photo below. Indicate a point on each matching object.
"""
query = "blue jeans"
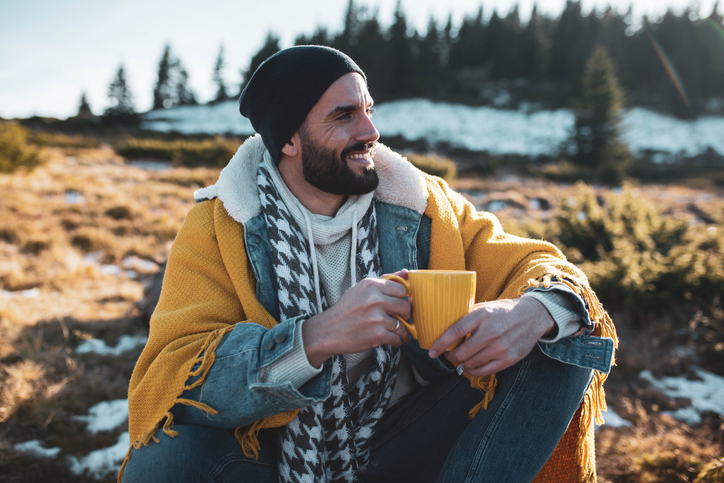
(425, 437)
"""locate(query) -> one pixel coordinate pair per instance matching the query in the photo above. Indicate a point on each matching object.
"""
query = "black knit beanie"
(285, 88)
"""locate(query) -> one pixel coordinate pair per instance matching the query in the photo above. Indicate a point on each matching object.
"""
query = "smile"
(365, 156)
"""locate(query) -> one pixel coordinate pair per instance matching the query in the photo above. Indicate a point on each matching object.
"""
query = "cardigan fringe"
(206, 357)
(594, 401)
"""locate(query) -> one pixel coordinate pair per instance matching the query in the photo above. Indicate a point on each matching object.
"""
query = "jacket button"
(269, 344)
(280, 337)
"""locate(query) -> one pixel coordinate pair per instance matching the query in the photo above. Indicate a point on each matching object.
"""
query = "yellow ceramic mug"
(439, 298)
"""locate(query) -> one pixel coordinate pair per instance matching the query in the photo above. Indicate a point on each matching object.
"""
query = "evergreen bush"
(434, 165)
(210, 152)
(14, 150)
(635, 257)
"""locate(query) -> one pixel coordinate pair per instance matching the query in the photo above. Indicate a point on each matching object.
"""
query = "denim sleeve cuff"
(567, 319)
(292, 367)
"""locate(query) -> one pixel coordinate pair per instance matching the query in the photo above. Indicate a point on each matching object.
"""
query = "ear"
(292, 147)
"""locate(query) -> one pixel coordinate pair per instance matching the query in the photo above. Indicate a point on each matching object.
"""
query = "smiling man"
(274, 355)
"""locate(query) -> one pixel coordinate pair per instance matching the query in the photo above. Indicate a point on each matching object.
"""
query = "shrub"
(635, 257)
(120, 212)
(211, 152)
(14, 151)
(435, 165)
(63, 141)
(712, 472)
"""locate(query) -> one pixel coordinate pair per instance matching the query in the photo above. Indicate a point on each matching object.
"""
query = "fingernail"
(433, 354)
(460, 370)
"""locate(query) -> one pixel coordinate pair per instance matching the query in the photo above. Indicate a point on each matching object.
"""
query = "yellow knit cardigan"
(209, 287)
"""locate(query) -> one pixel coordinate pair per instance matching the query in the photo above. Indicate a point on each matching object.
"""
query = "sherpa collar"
(400, 182)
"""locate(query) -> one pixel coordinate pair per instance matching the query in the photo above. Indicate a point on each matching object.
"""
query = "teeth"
(359, 156)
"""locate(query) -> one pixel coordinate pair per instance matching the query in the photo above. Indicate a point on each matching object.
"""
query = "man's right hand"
(360, 320)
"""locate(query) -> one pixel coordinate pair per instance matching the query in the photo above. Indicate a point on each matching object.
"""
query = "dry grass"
(63, 227)
(85, 208)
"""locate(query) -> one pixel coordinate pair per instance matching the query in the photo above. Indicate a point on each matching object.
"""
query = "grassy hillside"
(84, 233)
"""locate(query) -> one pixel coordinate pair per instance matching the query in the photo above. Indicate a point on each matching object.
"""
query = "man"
(274, 355)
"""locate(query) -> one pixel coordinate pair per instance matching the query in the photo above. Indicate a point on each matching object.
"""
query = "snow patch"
(643, 129)
(524, 131)
(32, 293)
(105, 416)
(136, 264)
(614, 420)
(74, 198)
(706, 394)
(97, 346)
(35, 448)
(103, 462)
(222, 117)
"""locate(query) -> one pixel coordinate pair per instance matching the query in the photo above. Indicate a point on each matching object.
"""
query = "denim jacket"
(232, 386)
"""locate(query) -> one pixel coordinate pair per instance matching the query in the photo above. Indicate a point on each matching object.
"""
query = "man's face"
(338, 139)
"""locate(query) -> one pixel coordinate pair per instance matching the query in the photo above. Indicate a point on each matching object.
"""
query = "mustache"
(358, 147)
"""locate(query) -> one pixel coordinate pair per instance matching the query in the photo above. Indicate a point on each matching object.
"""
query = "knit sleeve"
(201, 301)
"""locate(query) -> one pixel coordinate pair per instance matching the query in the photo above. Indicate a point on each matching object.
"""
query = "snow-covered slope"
(496, 131)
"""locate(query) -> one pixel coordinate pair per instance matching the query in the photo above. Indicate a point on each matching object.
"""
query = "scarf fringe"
(486, 385)
(248, 438)
(208, 351)
(594, 401)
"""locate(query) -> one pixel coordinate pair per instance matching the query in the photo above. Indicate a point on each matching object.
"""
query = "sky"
(53, 51)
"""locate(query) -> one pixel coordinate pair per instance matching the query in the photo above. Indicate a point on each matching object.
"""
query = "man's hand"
(502, 332)
(360, 320)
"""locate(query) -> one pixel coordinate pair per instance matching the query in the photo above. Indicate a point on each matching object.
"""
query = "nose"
(367, 132)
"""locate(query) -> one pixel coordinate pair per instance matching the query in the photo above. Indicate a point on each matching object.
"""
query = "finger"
(477, 360)
(485, 370)
(457, 331)
(404, 273)
(401, 331)
(399, 307)
(393, 289)
(388, 337)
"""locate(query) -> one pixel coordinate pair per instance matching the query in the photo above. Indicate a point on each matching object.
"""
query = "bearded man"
(274, 354)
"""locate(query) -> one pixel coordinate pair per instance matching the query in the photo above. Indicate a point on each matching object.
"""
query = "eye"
(371, 111)
(344, 116)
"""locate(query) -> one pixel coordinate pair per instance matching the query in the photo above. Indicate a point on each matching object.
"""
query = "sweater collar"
(400, 182)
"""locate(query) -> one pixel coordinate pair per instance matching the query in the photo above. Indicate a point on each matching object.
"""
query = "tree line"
(675, 63)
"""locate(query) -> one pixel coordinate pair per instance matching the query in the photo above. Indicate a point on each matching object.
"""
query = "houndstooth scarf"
(328, 441)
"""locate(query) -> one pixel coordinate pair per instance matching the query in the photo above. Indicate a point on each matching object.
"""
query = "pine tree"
(403, 66)
(172, 85)
(534, 48)
(567, 40)
(162, 95)
(506, 57)
(347, 40)
(270, 47)
(447, 42)
(120, 95)
(431, 72)
(374, 57)
(597, 120)
(183, 94)
(221, 93)
(84, 109)
(320, 37)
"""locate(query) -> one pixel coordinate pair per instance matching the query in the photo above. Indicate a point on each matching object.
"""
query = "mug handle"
(396, 278)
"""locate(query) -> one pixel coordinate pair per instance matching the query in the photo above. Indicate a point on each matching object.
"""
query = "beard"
(329, 172)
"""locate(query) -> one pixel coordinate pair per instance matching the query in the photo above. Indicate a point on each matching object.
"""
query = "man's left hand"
(501, 333)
